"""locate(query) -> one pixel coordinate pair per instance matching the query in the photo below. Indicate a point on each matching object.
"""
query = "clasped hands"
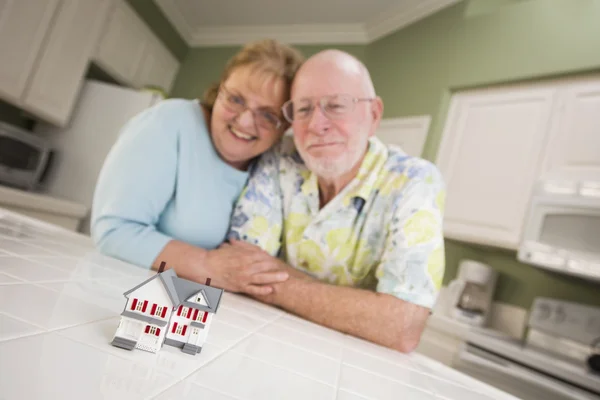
(241, 267)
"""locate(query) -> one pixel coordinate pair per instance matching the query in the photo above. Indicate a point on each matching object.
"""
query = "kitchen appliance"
(551, 363)
(470, 294)
(81, 147)
(562, 230)
(24, 157)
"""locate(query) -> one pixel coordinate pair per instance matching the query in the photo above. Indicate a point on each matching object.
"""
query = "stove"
(550, 363)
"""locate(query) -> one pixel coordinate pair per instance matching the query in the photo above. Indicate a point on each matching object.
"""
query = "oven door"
(516, 379)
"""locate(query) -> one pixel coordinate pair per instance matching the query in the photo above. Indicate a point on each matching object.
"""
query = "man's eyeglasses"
(333, 106)
(264, 118)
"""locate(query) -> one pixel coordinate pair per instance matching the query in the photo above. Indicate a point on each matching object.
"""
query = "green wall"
(202, 66)
(479, 43)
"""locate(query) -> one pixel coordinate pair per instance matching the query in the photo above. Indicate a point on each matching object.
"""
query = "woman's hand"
(242, 267)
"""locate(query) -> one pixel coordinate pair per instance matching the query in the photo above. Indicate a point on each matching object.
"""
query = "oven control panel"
(574, 321)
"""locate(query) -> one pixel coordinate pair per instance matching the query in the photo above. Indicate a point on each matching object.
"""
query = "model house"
(166, 309)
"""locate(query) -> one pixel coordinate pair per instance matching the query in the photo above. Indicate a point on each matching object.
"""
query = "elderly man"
(359, 222)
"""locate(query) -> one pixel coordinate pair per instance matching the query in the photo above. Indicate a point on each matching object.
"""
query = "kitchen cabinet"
(24, 26)
(48, 44)
(122, 45)
(490, 157)
(409, 133)
(63, 61)
(499, 142)
(158, 67)
(132, 54)
(574, 148)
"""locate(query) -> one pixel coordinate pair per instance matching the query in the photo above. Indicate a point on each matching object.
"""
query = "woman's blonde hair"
(267, 56)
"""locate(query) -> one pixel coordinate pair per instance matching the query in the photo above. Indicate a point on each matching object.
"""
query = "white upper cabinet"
(490, 156)
(123, 44)
(574, 148)
(63, 61)
(132, 54)
(23, 29)
(158, 67)
(408, 133)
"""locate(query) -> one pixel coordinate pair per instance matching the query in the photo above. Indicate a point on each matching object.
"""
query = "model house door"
(132, 330)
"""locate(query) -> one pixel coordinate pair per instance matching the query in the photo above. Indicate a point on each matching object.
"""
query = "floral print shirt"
(382, 232)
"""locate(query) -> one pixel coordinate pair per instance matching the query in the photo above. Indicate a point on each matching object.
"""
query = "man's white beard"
(332, 168)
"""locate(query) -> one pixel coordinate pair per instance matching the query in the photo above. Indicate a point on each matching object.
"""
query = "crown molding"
(176, 19)
(303, 34)
(400, 17)
(291, 34)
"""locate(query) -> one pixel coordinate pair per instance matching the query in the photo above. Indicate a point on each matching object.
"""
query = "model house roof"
(180, 290)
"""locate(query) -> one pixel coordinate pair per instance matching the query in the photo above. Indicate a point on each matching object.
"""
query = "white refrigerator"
(82, 146)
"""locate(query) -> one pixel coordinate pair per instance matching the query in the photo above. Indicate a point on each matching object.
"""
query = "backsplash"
(518, 283)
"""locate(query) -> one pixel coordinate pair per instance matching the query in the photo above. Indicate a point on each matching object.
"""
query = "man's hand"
(242, 267)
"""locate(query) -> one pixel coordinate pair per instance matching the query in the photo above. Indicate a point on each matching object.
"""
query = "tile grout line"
(357, 394)
(37, 260)
(283, 368)
(225, 350)
(24, 321)
(389, 378)
(339, 375)
(218, 391)
(330, 341)
(295, 346)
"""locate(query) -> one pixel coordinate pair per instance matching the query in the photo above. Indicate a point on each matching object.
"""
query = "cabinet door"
(123, 44)
(490, 156)
(23, 27)
(574, 148)
(60, 70)
(409, 133)
(158, 67)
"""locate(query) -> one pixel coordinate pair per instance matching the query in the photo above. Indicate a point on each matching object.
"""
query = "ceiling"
(234, 22)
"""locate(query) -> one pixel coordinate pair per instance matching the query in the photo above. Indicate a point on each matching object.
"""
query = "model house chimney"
(207, 281)
(162, 267)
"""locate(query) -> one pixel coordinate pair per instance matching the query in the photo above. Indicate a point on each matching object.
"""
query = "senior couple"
(329, 224)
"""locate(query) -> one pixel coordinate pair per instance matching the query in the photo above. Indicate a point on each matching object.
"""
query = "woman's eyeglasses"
(263, 118)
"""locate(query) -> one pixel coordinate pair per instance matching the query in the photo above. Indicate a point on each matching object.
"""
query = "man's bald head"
(338, 63)
(335, 111)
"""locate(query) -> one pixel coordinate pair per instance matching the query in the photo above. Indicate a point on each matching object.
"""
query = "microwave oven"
(562, 229)
(25, 158)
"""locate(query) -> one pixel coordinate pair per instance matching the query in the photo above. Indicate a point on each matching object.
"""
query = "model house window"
(139, 305)
(152, 330)
(179, 329)
(158, 310)
(201, 316)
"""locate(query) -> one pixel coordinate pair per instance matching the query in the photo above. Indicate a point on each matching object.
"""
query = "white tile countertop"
(60, 303)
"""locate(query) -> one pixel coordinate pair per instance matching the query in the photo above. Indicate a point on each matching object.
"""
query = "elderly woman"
(168, 186)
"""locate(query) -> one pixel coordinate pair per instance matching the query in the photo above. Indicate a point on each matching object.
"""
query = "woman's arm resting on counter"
(134, 186)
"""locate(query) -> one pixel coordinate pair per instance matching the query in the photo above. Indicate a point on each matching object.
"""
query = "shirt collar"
(366, 179)
(363, 184)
